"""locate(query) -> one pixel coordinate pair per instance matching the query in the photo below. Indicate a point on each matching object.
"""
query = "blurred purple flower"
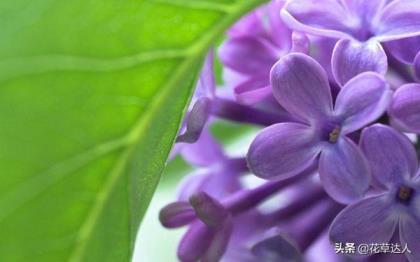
(361, 26)
(217, 174)
(283, 150)
(206, 103)
(394, 166)
(276, 248)
(405, 108)
(417, 66)
(254, 45)
(199, 112)
(209, 231)
(212, 222)
(404, 50)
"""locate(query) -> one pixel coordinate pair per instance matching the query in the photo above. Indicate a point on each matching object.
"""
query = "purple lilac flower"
(394, 166)
(405, 108)
(314, 82)
(287, 241)
(206, 103)
(216, 174)
(199, 112)
(212, 222)
(361, 26)
(301, 86)
(248, 54)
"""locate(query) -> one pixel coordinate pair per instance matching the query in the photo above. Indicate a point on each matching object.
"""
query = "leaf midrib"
(134, 136)
(196, 51)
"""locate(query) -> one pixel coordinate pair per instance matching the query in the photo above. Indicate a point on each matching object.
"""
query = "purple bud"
(208, 210)
(195, 242)
(176, 214)
(205, 243)
(196, 120)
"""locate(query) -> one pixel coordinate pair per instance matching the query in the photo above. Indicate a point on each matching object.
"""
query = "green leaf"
(91, 96)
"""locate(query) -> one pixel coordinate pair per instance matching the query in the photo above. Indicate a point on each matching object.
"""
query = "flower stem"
(249, 198)
(234, 111)
(312, 224)
(305, 200)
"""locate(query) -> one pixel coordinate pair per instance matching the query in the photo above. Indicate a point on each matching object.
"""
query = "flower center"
(405, 194)
(334, 135)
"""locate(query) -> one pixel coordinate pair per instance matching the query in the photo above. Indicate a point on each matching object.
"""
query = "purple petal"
(215, 181)
(206, 83)
(176, 214)
(405, 108)
(280, 33)
(351, 58)
(320, 17)
(253, 96)
(410, 235)
(391, 156)
(196, 120)
(248, 55)
(195, 155)
(276, 248)
(300, 43)
(399, 19)
(344, 171)
(405, 50)
(365, 9)
(417, 66)
(220, 243)
(253, 90)
(208, 210)
(282, 150)
(368, 221)
(323, 48)
(231, 78)
(301, 86)
(251, 24)
(362, 100)
(193, 183)
(195, 242)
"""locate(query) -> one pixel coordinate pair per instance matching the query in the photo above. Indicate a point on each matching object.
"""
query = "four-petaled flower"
(395, 172)
(283, 150)
(359, 25)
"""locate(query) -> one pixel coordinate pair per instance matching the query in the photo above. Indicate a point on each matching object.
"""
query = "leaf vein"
(203, 5)
(17, 67)
(33, 187)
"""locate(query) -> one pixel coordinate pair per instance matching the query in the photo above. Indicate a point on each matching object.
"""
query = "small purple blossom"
(213, 222)
(301, 86)
(361, 26)
(405, 108)
(217, 174)
(248, 55)
(200, 110)
(394, 166)
(207, 103)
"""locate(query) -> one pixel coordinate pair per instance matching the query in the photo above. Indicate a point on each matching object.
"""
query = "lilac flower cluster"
(335, 87)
